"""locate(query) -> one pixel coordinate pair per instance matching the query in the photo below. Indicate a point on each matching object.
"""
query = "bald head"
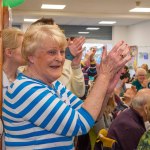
(142, 98)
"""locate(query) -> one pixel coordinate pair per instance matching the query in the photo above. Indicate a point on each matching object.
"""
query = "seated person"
(129, 95)
(144, 143)
(145, 66)
(125, 74)
(140, 82)
(128, 126)
(124, 102)
(121, 85)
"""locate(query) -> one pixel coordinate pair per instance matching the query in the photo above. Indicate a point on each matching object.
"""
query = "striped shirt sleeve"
(44, 108)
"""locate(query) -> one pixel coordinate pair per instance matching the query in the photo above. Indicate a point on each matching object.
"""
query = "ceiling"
(83, 12)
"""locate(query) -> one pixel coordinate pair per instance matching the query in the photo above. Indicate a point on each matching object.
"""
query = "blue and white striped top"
(37, 116)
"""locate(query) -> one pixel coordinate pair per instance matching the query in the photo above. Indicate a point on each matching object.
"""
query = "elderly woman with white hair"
(140, 82)
(40, 112)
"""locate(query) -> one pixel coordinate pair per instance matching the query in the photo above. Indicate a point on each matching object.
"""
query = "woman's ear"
(8, 52)
(147, 111)
(31, 59)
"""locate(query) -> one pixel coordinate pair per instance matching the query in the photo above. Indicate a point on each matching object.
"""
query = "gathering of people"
(49, 102)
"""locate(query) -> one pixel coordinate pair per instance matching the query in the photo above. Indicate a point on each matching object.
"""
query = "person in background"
(72, 76)
(121, 85)
(38, 111)
(128, 126)
(105, 121)
(129, 95)
(124, 102)
(12, 42)
(140, 82)
(125, 74)
(145, 66)
(12, 39)
(88, 65)
(144, 143)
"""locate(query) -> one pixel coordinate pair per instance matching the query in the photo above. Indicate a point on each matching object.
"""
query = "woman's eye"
(52, 52)
(62, 52)
(55, 52)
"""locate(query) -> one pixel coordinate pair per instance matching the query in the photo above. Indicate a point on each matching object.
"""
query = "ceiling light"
(140, 10)
(83, 32)
(30, 20)
(46, 6)
(107, 22)
(92, 28)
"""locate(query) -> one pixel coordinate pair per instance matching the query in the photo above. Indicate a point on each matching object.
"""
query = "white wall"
(139, 34)
(119, 33)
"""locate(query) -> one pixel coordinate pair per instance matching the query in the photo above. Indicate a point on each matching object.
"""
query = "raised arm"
(110, 65)
(72, 76)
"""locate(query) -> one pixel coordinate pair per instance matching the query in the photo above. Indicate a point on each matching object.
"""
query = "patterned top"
(144, 143)
(37, 116)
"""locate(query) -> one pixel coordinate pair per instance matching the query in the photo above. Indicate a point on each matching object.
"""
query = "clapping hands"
(113, 62)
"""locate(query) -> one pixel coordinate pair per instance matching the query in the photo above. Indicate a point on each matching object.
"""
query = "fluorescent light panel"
(47, 6)
(140, 10)
(83, 32)
(29, 20)
(92, 28)
(107, 22)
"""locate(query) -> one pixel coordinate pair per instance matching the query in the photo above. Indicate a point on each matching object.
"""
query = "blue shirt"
(37, 116)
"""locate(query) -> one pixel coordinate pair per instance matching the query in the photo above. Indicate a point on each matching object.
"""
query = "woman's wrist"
(104, 77)
(75, 66)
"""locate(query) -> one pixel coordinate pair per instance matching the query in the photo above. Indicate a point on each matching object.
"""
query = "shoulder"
(135, 82)
(23, 84)
(123, 119)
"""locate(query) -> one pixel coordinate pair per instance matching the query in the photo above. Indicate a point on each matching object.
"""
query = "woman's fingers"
(116, 59)
(124, 60)
(104, 53)
(79, 42)
(124, 51)
(115, 48)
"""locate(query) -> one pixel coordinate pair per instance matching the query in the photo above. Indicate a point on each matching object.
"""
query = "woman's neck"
(33, 74)
(10, 72)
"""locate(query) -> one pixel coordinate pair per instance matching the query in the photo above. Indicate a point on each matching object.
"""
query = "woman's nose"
(59, 57)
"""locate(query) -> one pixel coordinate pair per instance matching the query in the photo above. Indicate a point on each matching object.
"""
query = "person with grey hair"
(128, 127)
(140, 82)
(40, 112)
(144, 143)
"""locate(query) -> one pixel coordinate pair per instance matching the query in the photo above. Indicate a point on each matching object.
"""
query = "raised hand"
(116, 59)
(76, 45)
(77, 60)
(112, 63)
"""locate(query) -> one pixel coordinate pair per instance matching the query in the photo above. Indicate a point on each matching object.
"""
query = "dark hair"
(126, 67)
(44, 21)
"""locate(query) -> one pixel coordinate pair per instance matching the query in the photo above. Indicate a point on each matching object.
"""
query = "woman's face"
(17, 58)
(141, 77)
(47, 61)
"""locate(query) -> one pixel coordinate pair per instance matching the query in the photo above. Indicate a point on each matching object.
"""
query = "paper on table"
(128, 85)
